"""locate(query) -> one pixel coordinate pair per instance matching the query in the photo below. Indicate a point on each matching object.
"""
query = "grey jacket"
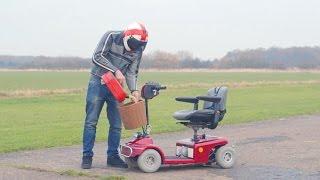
(111, 55)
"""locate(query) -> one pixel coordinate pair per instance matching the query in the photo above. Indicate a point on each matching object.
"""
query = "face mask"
(134, 44)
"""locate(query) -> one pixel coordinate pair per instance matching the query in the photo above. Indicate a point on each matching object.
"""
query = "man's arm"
(132, 74)
(98, 56)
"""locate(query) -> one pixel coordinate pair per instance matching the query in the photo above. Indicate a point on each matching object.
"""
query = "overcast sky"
(208, 28)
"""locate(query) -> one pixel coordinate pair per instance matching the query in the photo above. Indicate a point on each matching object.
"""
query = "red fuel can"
(114, 86)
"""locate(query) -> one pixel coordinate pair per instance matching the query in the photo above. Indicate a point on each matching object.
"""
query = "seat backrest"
(217, 92)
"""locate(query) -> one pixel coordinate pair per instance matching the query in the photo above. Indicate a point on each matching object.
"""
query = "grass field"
(60, 80)
(38, 121)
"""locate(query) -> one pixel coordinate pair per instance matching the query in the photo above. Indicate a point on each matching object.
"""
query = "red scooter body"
(137, 146)
(198, 152)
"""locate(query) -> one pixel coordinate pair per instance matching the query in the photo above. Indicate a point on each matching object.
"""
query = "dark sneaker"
(116, 161)
(86, 162)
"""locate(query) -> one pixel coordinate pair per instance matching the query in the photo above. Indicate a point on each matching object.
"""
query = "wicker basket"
(133, 115)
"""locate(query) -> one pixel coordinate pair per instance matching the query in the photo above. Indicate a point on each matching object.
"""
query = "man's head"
(135, 36)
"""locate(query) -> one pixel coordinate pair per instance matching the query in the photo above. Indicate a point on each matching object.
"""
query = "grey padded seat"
(207, 115)
(183, 114)
(194, 115)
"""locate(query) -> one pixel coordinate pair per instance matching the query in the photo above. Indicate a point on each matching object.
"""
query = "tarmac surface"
(285, 148)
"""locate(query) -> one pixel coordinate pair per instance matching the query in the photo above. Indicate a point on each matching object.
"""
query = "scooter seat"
(199, 116)
(183, 114)
(214, 109)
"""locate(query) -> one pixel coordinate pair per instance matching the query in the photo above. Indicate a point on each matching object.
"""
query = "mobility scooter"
(199, 149)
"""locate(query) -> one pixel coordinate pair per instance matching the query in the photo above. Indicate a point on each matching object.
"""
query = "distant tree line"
(43, 62)
(272, 58)
(181, 59)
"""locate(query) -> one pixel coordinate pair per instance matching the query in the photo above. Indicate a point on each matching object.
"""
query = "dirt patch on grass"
(171, 70)
(40, 92)
(64, 174)
(242, 84)
(44, 70)
(232, 70)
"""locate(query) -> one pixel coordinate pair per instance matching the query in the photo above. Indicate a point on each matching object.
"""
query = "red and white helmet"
(135, 36)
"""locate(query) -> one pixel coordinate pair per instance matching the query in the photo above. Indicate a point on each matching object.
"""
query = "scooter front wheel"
(149, 161)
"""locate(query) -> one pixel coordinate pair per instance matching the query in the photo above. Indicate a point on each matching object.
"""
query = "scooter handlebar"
(151, 89)
(162, 87)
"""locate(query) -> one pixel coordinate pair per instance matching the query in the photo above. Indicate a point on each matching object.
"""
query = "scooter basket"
(133, 115)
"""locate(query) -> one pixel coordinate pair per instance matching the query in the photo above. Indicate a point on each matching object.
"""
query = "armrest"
(209, 98)
(187, 99)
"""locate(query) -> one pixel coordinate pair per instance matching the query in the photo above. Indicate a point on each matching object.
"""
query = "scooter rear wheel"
(149, 161)
(225, 157)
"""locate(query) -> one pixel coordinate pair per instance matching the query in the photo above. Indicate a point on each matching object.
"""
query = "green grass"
(57, 120)
(42, 80)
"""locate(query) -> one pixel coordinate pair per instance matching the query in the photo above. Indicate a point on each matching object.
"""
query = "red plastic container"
(114, 86)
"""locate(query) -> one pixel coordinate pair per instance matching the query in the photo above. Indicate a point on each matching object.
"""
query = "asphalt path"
(285, 148)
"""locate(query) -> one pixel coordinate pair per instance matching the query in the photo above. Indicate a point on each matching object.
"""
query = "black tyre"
(149, 161)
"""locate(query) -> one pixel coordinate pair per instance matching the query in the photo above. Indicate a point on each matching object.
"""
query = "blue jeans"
(97, 95)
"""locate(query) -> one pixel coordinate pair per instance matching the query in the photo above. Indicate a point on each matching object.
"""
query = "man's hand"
(120, 77)
(136, 96)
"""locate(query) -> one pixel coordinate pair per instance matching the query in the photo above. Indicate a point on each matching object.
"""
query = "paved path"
(275, 149)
